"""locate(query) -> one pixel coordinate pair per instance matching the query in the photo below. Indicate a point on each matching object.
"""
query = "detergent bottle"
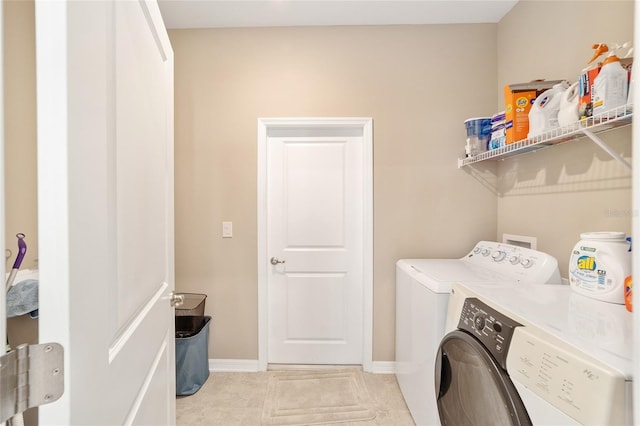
(568, 113)
(543, 115)
(628, 292)
(599, 265)
(611, 85)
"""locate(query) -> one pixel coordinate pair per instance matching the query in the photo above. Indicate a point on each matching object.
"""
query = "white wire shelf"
(618, 117)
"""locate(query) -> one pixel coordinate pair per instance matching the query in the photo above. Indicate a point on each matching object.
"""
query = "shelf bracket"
(606, 148)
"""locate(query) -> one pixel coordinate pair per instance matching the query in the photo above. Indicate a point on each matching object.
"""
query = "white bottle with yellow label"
(599, 264)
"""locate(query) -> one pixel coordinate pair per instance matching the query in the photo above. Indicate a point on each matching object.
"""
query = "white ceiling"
(270, 13)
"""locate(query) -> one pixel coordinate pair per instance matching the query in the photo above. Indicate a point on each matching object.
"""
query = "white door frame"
(364, 127)
(3, 306)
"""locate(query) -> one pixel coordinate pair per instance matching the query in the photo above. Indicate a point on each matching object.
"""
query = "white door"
(105, 204)
(315, 225)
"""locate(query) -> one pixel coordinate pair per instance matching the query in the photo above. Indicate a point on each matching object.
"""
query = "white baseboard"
(252, 365)
(239, 365)
(383, 367)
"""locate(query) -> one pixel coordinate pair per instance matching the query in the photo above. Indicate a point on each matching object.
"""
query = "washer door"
(471, 388)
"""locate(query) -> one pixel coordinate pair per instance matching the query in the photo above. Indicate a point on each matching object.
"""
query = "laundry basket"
(192, 360)
(192, 344)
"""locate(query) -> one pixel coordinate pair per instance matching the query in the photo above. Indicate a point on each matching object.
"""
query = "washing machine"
(422, 297)
(533, 354)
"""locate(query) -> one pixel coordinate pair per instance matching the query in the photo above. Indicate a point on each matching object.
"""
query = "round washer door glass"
(471, 388)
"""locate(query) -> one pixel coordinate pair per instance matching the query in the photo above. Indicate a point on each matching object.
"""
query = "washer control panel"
(521, 263)
(493, 329)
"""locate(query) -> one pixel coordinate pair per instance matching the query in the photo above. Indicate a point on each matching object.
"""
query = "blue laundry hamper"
(192, 360)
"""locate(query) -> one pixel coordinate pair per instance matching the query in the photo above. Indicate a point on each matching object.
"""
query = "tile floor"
(236, 399)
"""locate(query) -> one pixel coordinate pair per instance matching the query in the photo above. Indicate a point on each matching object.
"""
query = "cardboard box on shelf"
(585, 101)
(518, 99)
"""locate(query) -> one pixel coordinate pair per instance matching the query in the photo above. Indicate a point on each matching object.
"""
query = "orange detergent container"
(628, 295)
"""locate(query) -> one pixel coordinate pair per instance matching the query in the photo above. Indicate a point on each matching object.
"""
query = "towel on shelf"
(22, 299)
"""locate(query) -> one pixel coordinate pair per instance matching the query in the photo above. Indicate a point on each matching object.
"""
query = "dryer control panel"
(493, 329)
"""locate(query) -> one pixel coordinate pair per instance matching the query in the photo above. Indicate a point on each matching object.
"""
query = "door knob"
(275, 261)
(176, 299)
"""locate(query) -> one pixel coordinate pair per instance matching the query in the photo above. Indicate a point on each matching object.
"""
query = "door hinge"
(30, 375)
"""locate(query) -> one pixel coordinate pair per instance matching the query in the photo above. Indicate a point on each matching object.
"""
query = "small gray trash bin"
(192, 360)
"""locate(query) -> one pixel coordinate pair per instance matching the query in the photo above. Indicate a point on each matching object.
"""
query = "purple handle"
(22, 249)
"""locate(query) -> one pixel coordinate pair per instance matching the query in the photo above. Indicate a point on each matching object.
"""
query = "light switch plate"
(227, 229)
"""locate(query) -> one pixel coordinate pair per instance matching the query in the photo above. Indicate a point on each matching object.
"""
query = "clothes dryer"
(531, 354)
(422, 295)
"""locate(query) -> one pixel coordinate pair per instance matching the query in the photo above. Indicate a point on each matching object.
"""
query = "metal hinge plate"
(30, 375)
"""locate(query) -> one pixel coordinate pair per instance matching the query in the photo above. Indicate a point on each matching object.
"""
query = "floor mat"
(316, 397)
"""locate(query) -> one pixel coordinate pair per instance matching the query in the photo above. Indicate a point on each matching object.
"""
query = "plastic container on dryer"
(599, 264)
(543, 115)
(628, 293)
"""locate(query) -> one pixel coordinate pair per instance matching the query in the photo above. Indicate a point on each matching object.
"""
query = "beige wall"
(557, 193)
(20, 129)
(418, 83)
(21, 197)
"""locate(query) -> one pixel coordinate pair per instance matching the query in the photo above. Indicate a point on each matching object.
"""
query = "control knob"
(514, 260)
(476, 250)
(498, 255)
(479, 322)
(527, 263)
(485, 252)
